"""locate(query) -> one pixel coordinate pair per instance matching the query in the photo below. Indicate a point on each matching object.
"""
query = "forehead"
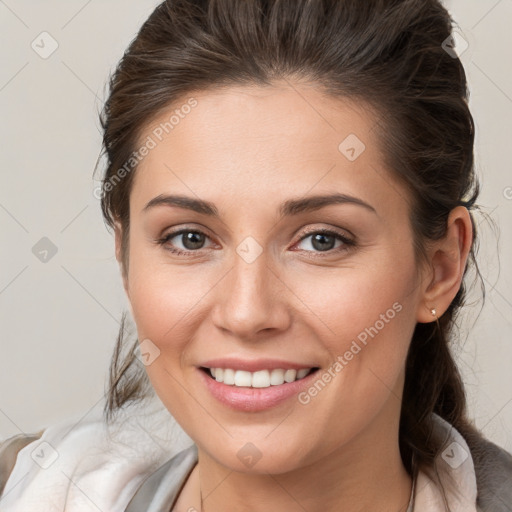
(251, 142)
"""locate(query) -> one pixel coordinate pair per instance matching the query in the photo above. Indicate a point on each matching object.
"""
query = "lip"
(255, 364)
(254, 399)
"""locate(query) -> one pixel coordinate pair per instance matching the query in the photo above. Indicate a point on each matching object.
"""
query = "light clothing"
(97, 467)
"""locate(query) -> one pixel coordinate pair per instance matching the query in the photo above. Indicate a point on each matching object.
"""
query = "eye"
(325, 240)
(191, 240)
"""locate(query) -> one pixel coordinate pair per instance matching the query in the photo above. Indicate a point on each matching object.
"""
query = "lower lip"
(254, 399)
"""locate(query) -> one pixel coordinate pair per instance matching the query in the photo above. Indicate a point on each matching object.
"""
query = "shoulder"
(493, 470)
(9, 449)
(471, 470)
(104, 462)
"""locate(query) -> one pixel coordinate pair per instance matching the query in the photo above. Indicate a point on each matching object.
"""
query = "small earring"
(433, 311)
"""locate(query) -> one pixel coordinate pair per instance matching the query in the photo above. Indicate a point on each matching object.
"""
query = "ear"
(118, 232)
(448, 258)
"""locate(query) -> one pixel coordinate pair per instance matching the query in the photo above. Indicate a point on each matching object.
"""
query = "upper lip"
(254, 365)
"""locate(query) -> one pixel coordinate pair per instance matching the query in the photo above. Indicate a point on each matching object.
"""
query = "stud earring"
(433, 311)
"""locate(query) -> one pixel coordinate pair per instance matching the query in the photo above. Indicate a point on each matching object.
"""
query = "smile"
(258, 379)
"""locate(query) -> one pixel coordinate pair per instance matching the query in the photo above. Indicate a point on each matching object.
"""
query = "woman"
(307, 377)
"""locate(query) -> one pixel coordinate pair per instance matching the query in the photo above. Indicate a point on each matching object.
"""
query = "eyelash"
(347, 242)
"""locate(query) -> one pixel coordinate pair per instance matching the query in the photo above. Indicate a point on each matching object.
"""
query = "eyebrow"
(288, 208)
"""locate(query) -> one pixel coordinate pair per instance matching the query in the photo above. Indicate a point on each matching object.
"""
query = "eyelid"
(342, 233)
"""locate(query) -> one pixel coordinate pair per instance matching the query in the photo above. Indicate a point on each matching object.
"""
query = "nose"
(251, 301)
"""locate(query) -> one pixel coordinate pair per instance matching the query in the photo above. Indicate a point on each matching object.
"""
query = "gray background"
(59, 318)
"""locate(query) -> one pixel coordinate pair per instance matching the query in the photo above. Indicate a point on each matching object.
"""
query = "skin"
(247, 150)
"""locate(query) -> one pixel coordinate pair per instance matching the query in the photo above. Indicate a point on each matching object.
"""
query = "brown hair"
(387, 53)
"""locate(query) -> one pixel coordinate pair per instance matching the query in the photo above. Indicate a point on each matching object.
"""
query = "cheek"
(165, 297)
(365, 318)
(349, 301)
(365, 321)
(166, 304)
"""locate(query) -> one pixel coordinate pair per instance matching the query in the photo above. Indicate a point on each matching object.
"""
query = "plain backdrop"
(59, 318)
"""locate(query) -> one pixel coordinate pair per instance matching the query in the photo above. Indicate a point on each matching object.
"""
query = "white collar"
(456, 473)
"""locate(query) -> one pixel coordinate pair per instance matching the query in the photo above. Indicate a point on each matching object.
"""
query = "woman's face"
(257, 288)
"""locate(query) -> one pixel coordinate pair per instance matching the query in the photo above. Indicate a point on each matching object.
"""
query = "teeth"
(243, 378)
(229, 376)
(259, 379)
(277, 377)
(302, 373)
(290, 375)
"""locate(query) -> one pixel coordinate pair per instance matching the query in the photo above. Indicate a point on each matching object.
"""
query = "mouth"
(255, 391)
(255, 385)
(265, 378)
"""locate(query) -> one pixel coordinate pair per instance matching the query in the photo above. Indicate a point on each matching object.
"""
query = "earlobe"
(448, 262)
